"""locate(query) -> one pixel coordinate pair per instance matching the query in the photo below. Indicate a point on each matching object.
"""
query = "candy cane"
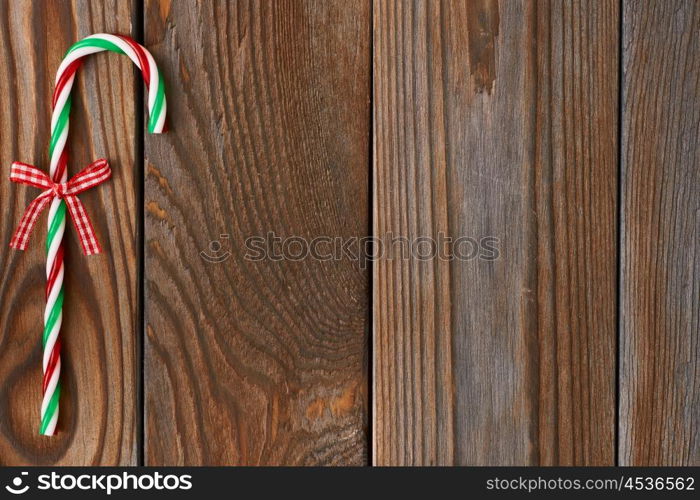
(59, 191)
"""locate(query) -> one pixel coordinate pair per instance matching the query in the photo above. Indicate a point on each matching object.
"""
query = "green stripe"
(107, 45)
(55, 223)
(157, 105)
(60, 125)
(53, 317)
(50, 409)
(95, 42)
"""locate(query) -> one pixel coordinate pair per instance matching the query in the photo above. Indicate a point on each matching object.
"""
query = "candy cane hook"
(60, 192)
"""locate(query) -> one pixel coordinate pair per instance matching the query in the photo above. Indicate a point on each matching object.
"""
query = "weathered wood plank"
(98, 420)
(257, 362)
(496, 119)
(660, 290)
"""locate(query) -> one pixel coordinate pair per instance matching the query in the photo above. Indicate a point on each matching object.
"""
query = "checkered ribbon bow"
(93, 175)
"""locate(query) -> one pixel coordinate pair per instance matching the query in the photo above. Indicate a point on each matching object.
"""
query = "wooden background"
(568, 130)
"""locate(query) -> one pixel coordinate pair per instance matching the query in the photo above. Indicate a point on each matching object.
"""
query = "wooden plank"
(496, 119)
(660, 289)
(257, 362)
(98, 419)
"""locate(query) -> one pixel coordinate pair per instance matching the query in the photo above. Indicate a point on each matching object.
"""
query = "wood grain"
(98, 420)
(257, 362)
(496, 119)
(660, 282)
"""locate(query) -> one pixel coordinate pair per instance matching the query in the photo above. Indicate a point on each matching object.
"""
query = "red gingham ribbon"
(94, 174)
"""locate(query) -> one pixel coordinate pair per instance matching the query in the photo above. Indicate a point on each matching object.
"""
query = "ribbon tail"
(26, 225)
(81, 221)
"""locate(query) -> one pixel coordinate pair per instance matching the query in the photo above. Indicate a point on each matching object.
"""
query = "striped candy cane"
(57, 212)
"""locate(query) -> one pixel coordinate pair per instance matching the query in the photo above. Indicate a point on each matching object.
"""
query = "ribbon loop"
(93, 175)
